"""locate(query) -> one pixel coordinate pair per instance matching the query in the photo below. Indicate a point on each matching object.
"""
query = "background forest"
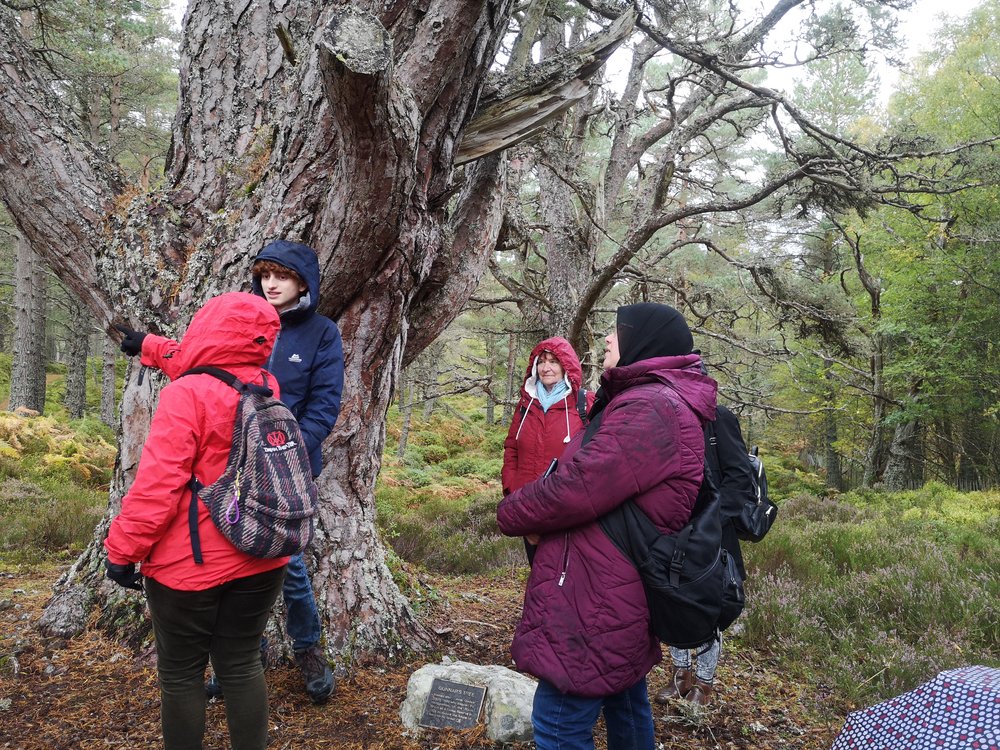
(851, 319)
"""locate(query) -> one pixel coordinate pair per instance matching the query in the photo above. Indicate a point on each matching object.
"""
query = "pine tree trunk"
(75, 398)
(405, 412)
(27, 381)
(834, 470)
(335, 124)
(513, 382)
(904, 467)
(108, 384)
(343, 137)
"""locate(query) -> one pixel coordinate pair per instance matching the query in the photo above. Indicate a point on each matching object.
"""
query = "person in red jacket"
(547, 417)
(216, 610)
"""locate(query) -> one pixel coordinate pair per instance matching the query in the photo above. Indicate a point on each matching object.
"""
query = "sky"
(918, 27)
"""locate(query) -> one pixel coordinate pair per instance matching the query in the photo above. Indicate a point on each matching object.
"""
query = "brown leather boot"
(700, 693)
(681, 682)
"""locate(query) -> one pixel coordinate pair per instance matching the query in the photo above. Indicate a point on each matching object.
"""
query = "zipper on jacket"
(270, 360)
(565, 565)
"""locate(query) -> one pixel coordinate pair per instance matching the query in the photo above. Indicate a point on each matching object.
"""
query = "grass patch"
(875, 593)
(53, 485)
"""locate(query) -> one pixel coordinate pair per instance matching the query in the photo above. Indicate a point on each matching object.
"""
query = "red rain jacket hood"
(537, 436)
(190, 435)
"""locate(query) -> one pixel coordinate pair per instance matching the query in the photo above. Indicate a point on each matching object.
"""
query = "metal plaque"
(452, 704)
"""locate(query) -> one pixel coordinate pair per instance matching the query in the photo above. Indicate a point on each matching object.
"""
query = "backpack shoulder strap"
(581, 404)
(216, 372)
(195, 486)
(231, 380)
(712, 462)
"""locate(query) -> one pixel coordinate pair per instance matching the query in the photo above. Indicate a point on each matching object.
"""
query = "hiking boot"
(681, 682)
(316, 673)
(700, 694)
(212, 687)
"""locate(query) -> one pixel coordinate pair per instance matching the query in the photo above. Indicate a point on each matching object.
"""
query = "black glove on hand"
(132, 343)
(124, 575)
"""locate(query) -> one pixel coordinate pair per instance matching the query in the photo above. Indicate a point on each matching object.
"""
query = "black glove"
(132, 343)
(124, 575)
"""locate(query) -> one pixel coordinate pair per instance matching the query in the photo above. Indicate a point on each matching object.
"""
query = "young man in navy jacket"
(308, 362)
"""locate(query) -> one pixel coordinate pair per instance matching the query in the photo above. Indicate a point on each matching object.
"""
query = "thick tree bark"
(904, 463)
(343, 137)
(334, 124)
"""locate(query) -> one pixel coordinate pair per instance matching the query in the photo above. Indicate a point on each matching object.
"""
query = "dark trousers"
(224, 623)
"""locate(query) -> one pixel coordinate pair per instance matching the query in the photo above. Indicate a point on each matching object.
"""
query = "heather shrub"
(454, 536)
(809, 507)
(875, 593)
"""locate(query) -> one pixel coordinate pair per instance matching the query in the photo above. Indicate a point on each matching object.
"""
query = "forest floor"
(91, 692)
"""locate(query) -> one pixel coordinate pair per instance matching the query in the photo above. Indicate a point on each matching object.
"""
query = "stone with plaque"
(452, 704)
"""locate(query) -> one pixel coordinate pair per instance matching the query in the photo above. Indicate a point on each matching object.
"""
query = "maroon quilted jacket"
(585, 626)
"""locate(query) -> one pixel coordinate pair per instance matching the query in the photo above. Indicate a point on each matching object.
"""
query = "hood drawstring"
(566, 410)
(569, 434)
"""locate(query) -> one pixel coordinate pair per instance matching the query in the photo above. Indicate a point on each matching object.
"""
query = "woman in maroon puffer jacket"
(585, 631)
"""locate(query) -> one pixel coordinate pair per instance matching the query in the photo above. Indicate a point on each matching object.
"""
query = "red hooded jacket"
(191, 434)
(536, 436)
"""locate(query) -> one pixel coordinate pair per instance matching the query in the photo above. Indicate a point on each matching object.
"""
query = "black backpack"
(693, 588)
(754, 512)
(265, 499)
(756, 518)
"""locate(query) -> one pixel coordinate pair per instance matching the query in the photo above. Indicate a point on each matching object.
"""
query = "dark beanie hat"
(648, 330)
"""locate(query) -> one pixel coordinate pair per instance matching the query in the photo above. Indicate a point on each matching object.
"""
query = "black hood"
(648, 329)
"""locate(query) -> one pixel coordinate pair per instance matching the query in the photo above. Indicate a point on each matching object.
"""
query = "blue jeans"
(301, 615)
(566, 722)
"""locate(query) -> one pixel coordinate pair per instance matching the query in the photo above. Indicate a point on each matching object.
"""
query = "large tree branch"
(637, 238)
(524, 103)
(471, 237)
(56, 186)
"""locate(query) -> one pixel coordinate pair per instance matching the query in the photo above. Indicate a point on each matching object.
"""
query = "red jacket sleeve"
(509, 470)
(161, 353)
(160, 489)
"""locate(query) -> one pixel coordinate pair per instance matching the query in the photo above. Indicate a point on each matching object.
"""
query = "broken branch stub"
(357, 40)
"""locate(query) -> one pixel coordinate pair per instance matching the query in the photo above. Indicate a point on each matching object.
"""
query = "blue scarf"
(548, 397)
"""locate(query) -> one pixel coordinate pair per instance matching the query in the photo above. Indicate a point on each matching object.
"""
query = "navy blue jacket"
(308, 358)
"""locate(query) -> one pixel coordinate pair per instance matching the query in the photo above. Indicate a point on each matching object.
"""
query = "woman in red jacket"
(546, 418)
(217, 609)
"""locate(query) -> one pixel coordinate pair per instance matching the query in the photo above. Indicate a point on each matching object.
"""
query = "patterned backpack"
(265, 500)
